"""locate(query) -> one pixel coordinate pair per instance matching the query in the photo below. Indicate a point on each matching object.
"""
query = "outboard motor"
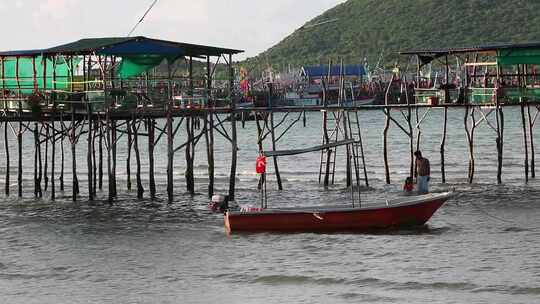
(219, 203)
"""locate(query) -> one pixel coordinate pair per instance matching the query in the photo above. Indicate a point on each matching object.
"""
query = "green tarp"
(135, 65)
(518, 56)
(26, 81)
(130, 66)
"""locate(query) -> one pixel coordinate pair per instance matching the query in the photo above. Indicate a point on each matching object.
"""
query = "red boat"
(405, 211)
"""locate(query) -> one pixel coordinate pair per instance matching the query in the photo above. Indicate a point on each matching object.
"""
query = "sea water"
(481, 247)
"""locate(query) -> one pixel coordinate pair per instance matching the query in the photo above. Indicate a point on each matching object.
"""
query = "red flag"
(260, 166)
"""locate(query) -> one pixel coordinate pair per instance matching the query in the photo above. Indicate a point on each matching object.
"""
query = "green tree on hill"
(367, 28)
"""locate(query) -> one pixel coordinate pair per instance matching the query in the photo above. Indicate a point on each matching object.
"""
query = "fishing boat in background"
(403, 212)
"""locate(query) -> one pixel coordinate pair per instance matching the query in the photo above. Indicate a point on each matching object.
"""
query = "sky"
(250, 25)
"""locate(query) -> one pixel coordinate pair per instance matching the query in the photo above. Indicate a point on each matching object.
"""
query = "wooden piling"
(188, 155)
(110, 188)
(443, 144)
(53, 140)
(140, 189)
(100, 155)
(73, 140)
(46, 166)
(37, 186)
(170, 153)
(128, 157)
(89, 150)
(19, 146)
(500, 129)
(39, 161)
(531, 138)
(209, 134)
(94, 167)
(53, 155)
(114, 139)
(385, 145)
(500, 143)
(62, 135)
(275, 159)
(470, 140)
(151, 138)
(327, 152)
(6, 148)
(525, 142)
(234, 141)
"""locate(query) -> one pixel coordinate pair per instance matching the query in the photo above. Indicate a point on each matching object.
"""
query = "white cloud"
(56, 9)
(244, 24)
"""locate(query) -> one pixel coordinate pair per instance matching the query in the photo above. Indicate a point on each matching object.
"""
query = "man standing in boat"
(423, 172)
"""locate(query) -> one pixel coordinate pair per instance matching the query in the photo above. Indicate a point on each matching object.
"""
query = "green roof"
(127, 45)
(87, 45)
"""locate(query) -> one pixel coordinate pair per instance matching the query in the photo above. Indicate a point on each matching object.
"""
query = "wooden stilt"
(275, 160)
(209, 134)
(151, 138)
(53, 155)
(500, 143)
(40, 164)
(170, 153)
(140, 189)
(113, 150)
(94, 167)
(531, 138)
(348, 165)
(73, 140)
(62, 135)
(46, 166)
(128, 158)
(6, 148)
(327, 153)
(500, 128)
(234, 141)
(525, 141)
(36, 148)
(385, 145)
(188, 155)
(90, 166)
(470, 140)
(19, 145)
(411, 143)
(53, 138)
(100, 155)
(109, 158)
(443, 144)
(418, 130)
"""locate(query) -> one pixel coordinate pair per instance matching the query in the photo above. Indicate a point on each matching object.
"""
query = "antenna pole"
(142, 18)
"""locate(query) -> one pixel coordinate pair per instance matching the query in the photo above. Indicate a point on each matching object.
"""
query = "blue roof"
(134, 47)
(335, 70)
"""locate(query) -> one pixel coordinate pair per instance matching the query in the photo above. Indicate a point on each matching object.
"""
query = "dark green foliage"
(365, 28)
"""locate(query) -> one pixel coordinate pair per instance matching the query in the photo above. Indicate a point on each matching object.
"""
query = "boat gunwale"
(390, 204)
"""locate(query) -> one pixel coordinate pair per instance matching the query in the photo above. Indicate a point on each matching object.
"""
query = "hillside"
(365, 28)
